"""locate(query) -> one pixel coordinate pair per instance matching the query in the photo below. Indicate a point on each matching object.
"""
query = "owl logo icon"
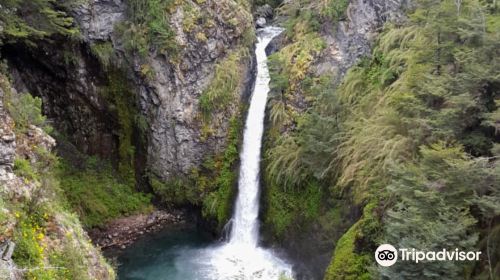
(386, 255)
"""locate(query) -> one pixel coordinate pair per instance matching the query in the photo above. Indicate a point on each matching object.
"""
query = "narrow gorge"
(248, 139)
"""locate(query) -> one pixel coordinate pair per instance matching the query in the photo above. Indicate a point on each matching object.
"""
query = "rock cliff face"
(97, 19)
(130, 87)
(164, 88)
(22, 197)
(352, 38)
(172, 99)
(7, 183)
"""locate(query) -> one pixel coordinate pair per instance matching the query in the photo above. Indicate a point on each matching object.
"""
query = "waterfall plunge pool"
(157, 255)
(170, 254)
(185, 256)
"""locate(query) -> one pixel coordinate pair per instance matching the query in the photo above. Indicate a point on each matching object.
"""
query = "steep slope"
(41, 237)
(156, 87)
(373, 154)
(322, 41)
(150, 93)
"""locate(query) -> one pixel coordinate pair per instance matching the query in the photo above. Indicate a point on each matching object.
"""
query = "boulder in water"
(261, 22)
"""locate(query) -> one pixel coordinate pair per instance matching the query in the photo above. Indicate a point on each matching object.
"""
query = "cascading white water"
(245, 223)
(241, 258)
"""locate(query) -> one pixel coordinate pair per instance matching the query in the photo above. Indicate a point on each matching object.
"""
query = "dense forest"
(410, 135)
(401, 147)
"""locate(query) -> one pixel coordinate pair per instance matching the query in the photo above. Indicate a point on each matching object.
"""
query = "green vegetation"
(222, 183)
(26, 110)
(223, 89)
(335, 9)
(354, 250)
(40, 223)
(36, 252)
(410, 135)
(29, 251)
(291, 85)
(290, 209)
(355, 266)
(45, 19)
(22, 168)
(212, 185)
(98, 194)
(149, 26)
(119, 93)
(440, 192)
(44, 253)
(104, 52)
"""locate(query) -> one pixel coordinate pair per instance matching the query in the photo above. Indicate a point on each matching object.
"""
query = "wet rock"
(265, 11)
(260, 22)
(124, 231)
(276, 44)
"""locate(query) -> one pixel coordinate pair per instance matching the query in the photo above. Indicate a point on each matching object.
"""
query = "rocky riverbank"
(122, 232)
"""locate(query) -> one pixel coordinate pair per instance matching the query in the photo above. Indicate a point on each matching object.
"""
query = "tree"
(32, 20)
(435, 197)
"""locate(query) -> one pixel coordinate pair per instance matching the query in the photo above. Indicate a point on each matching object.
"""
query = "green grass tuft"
(98, 194)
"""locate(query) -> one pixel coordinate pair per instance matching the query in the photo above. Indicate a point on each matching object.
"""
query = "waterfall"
(245, 228)
(241, 257)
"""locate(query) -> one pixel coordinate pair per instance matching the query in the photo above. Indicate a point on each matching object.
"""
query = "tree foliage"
(32, 20)
(435, 197)
(420, 115)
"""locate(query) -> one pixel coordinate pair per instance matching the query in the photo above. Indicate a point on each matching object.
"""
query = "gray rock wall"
(169, 101)
(352, 39)
(7, 140)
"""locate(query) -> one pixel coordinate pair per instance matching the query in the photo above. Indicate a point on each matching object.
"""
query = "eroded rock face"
(7, 140)
(171, 99)
(72, 83)
(72, 92)
(352, 38)
(21, 191)
(97, 18)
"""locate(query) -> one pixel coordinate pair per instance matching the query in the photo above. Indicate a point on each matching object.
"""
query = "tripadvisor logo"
(387, 255)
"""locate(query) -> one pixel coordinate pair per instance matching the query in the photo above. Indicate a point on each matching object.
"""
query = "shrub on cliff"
(32, 20)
